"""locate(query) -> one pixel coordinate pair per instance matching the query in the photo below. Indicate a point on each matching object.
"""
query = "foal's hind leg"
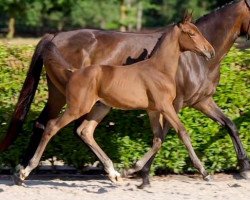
(86, 131)
(171, 116)
(56, 100)
(52, 127)
(75, 109)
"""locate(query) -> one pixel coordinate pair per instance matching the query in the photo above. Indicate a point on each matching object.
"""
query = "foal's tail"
(27, 94)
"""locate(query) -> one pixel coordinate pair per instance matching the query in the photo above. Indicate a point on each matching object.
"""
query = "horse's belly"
(200, 95)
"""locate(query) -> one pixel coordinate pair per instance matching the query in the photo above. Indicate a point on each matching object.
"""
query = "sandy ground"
(173, 187)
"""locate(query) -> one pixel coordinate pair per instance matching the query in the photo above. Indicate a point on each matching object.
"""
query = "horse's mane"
(204, 17)
(216, 10)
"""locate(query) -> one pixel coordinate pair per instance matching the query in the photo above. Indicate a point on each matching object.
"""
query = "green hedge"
(126, 135)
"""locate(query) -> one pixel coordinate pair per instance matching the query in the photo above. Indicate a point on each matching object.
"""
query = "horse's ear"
(248, 3)
(188, 16)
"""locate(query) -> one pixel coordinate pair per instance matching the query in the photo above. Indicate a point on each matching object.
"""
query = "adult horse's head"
(191, 39)
(245, 19)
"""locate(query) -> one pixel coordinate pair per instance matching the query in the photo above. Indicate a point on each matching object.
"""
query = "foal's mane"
(160, 39)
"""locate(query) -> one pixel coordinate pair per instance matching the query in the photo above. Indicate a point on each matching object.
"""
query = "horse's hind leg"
(170, 115)
(144, 172)
(209, 108)
(86, 131)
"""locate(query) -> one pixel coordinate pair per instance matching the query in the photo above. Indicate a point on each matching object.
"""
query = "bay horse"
(148, 85)
(196, 78)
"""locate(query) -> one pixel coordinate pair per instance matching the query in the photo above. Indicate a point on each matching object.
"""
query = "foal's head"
(191, 39)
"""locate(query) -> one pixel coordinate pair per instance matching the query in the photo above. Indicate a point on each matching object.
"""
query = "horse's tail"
(27, 94)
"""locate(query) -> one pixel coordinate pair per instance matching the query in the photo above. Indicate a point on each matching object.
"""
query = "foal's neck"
(166, 56)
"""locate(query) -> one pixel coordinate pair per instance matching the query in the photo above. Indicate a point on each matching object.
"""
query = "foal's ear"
(182, 27)
(188, 16)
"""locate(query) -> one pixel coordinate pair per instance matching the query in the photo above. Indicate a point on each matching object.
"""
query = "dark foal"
(196, 79)
(128, 87)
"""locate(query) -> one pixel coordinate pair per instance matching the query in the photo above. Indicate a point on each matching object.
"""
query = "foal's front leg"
(171, 116)
(52, 127)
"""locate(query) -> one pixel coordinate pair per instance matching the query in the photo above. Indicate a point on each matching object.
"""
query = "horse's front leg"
(86, 131)
(211, 109)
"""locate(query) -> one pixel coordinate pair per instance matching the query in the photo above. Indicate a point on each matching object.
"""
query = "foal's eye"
(191, 34)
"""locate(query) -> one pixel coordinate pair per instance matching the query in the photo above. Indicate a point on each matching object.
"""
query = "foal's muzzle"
(209, 54)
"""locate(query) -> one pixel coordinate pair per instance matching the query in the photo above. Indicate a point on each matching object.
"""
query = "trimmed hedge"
(126, 135)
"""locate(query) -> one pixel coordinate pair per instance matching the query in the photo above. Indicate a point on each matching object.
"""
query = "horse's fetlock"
(39, 125)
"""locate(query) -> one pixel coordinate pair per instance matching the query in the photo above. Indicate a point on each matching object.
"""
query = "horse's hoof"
(207, 178)
(17, 180)
(245, 174)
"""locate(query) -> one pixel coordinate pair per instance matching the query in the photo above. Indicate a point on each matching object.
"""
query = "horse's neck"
(221, 30)
(166, 57)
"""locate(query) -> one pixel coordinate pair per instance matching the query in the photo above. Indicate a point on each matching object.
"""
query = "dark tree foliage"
(39, 16)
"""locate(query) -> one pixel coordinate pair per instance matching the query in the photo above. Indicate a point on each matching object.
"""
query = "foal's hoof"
(207, 178)
(17, 180)
(245, 174)
(116, 178)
